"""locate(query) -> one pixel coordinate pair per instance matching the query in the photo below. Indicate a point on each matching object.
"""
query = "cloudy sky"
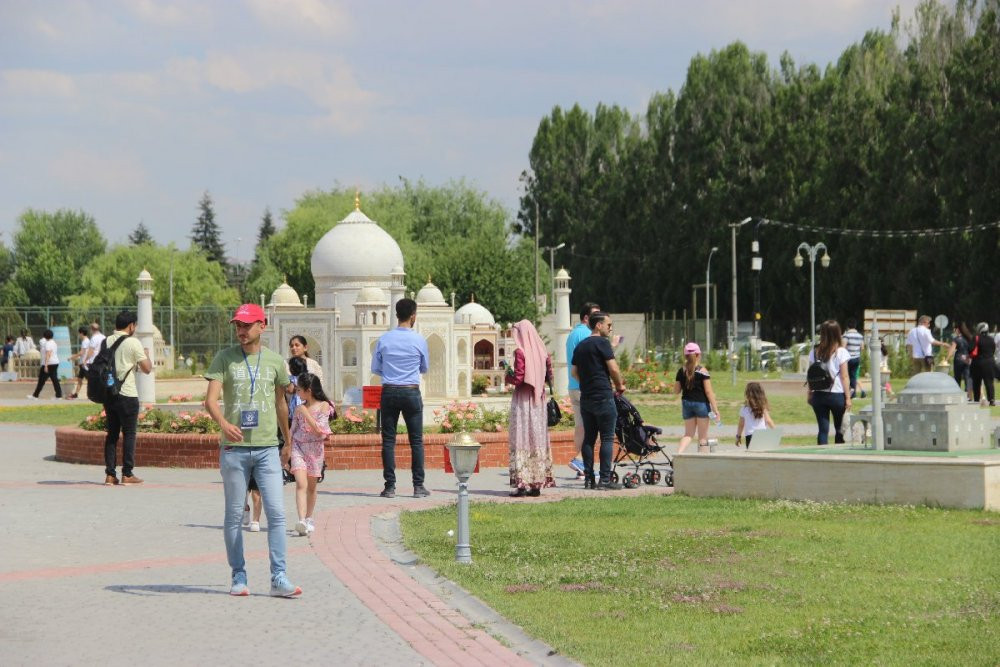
(130, 110)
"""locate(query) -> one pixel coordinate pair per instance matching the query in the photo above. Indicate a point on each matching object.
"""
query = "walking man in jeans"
(595, 367)
(122, 411)
(579, 333)
(251, 381)
(400, 358)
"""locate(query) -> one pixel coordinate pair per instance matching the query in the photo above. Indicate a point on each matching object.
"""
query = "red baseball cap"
(249, 313)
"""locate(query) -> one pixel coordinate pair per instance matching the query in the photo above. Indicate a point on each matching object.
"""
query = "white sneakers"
(310, 528)
(305, 526)
(254, 527)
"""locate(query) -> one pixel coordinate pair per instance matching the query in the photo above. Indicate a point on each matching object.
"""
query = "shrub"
(647, 379)
(155, 420)
(479, 384)
(468, 416)
(354, 421)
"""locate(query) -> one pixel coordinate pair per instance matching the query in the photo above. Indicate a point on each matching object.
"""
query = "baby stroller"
(637, 448)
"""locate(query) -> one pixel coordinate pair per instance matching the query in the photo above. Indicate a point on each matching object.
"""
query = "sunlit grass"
(676, 580)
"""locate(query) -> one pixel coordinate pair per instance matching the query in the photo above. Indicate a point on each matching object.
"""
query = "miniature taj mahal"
(358, 270)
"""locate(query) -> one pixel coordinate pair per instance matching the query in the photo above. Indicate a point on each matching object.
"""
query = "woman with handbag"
(530, 454)
(983, 349)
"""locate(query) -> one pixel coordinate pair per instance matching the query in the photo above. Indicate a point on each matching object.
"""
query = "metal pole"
(537, 225)
(732, 337)
(812, 294)
(552, 282)
(463, 552)
(173, 350)
(875, 355)
(708, 302)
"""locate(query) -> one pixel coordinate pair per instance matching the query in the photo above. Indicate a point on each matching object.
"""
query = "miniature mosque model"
(358, 270)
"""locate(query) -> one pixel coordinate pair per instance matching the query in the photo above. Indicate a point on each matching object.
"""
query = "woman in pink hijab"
(530, 455)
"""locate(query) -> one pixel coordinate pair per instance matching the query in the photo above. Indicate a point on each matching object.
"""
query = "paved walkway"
(119, 575)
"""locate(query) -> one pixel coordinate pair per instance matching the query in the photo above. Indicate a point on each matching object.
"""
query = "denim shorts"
(692, 409)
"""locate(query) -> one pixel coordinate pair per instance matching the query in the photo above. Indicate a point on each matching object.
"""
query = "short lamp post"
(811, 252)
(464, 453)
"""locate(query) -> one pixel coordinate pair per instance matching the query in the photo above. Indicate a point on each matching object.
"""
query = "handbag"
(552, 411)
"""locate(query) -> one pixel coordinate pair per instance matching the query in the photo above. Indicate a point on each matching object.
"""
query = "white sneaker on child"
(310, 527)
(300, 528)
(254, 526)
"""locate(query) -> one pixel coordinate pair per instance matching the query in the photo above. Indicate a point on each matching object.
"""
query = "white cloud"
(36, 83)
(324, 17)
(168, 14)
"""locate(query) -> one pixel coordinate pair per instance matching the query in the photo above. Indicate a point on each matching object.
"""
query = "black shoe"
(518, 493)
(534, 493)
(608, 486)
(589, 483)
(389, 491)
(420, 491)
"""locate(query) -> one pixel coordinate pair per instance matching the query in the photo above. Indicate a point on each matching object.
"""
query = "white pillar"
(145, 384)
(564, 324)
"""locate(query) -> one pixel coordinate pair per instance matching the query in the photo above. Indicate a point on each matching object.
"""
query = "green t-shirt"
(234, 369)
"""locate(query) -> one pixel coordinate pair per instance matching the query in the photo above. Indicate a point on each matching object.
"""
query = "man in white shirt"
(96, 338)
(84, 356)
(920, 345)
(853, 341)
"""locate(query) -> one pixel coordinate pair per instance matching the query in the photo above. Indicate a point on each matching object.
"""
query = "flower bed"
(358, 451)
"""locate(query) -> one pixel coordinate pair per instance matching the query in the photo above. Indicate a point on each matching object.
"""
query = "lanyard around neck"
(253, 373)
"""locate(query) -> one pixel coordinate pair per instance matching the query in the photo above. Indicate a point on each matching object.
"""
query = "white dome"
(430, 295)
(562, 274)
(144, 275)
(355, 247)
(473, 313)
(284, 295)
(370, 294)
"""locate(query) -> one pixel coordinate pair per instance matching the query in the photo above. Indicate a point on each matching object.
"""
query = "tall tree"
(140, 235)
(266, 229)
(206, 234)
(50, 251)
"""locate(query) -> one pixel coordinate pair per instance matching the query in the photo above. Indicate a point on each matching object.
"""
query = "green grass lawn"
(676, 580)
(63, 414)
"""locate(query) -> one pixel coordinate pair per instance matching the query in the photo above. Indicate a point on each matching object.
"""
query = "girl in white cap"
(694, 385)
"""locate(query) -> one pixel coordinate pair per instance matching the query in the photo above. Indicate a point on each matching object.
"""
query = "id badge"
(249, 418)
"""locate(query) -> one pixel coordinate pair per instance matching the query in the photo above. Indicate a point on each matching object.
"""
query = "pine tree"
(140, 235)
(266, 229)
(205, 233)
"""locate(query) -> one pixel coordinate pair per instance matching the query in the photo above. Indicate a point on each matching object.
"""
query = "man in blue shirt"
(400, 358)
(579, 333)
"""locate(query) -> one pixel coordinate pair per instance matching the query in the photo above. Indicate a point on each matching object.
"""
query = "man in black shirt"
(595, 367)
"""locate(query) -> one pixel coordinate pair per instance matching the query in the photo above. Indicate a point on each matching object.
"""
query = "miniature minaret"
(145, 384)
(564, 324)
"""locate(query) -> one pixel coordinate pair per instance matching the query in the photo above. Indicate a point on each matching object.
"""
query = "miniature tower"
(145, 384)
(564, 324)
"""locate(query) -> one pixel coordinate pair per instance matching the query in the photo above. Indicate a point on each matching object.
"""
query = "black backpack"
(818, 376)
(102, 377)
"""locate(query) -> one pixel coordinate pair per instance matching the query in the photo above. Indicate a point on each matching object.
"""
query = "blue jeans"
(853, 366)
(826, 404)
(405, 400)
(598, 417)
(237, 464)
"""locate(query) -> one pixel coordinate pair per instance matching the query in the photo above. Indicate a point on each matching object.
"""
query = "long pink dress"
(530, 453)
(307, 446)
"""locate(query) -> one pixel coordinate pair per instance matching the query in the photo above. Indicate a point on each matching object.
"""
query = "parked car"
(775, 358)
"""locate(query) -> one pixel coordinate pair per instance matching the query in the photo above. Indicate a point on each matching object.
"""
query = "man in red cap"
(251, 381)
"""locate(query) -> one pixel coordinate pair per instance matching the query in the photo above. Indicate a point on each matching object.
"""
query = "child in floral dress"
(310, 429)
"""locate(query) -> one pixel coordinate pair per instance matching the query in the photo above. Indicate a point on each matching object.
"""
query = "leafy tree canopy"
(50, 252)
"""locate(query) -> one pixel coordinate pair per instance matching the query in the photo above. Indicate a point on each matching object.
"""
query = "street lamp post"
(811, 252)
(732, 339)
(552, 272)
(708, 302)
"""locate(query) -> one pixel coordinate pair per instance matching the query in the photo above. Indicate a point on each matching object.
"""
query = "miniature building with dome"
(932, 414)
(358, 270)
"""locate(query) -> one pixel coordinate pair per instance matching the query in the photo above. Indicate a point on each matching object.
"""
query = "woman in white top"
(298, 347)
(49, 365)
(832, 401)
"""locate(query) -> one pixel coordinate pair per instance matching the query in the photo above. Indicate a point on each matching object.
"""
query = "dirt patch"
(522, 588)
(727, 609)
(729, 585)
(692, 598)
(986, 522)
(585, 586)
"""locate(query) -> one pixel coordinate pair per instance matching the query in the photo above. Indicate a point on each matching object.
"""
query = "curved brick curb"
(349, 452)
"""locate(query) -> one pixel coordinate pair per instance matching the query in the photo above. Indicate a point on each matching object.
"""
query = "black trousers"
(122, 415)
(44, 373)
(407, 401)
(982, 373)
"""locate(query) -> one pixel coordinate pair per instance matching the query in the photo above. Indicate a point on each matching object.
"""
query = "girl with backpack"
(310, 428)
(694, 385)
(826, 377)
